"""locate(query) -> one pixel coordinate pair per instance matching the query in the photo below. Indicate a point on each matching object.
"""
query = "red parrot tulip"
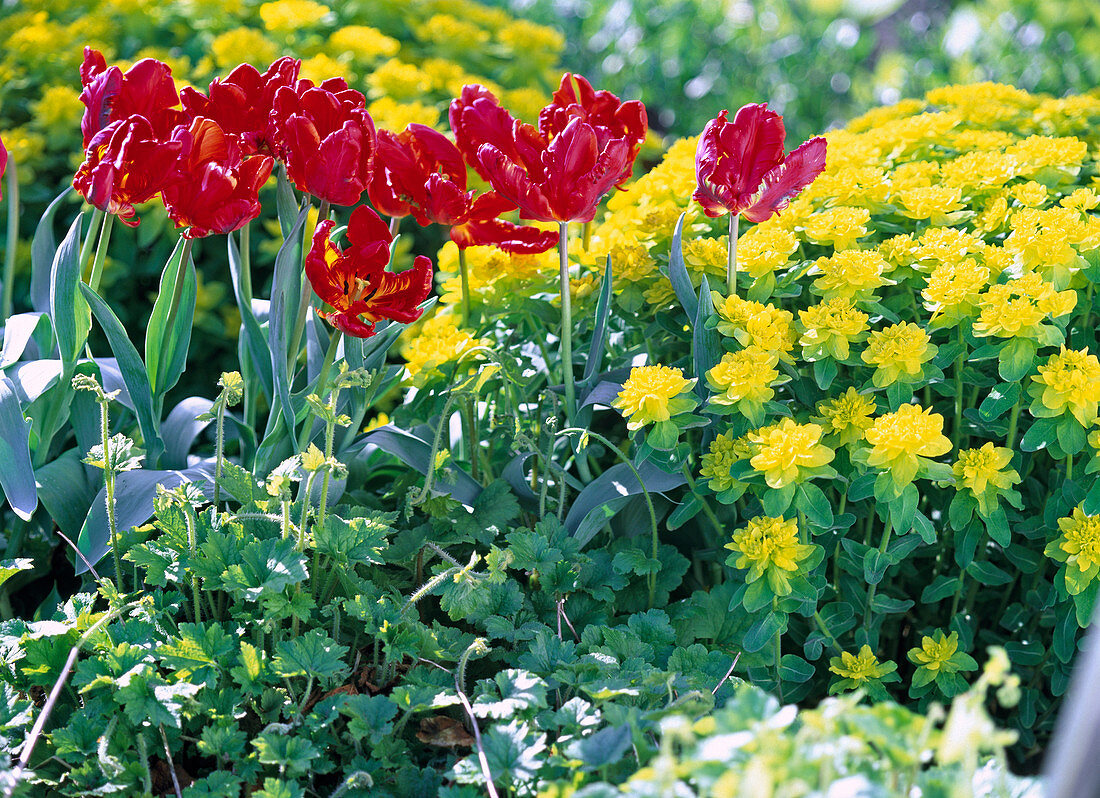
(325, 137)
(354, 281)
(420, 172)
(477, 118)
(125, 165)
(609, 116)
(741, 169)
(217, 187)
(241, 103)
(109, 95)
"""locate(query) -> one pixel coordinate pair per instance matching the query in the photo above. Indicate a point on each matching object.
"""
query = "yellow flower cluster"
(653, 394)
(1069, 382)
(900, 440)
(1078, 548)
(787, 452)
(769, 547)
(898, 353)
(985, 473)
(830, 328)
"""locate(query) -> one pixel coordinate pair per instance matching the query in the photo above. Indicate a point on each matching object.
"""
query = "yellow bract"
(860, 668)
(1068, 382)
(782, 451)
(900, 438)
(830, 328)
(647, 396)
(768, 546)
(1078, 547)
(898, 353)
(848, 416)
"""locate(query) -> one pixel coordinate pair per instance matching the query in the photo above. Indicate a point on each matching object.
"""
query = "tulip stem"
(246, 261)
(566, 322)
(101, 252)
(89, 239)
(464, 274)
(731, 263)
(304, 301)
(13, 239)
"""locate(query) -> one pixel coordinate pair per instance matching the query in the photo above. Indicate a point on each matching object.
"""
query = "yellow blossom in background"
(898, 353)
(653, 394)
(763, 249)
(59, 109)
(851, 274)
(399, 80)
(1069, 382)
(769, 547)
(743, 380)
(994, 214)
(1078, 548)
(455, 33)
(707, 255)
(1041, 155)
(438, 341)
(985, 473)
(935, 652)
(1029, 194)
(830, 328)
(953, 290)
(539, 42)
(982, 170)
(861, 671)
(841, 226)
(784, 451)
(848, 416)
(945, 245)
(362, 43)
(320, 68)
(243, 45)
(388, 114)
(900, 439)
(24, 148)
(1082, 199)
(930, 202)
(976, 139)
(288, 16)
(899, 250)
(524, 102)
(632, 262)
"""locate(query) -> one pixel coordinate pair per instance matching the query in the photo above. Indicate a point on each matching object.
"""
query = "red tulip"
(125, 165)
(146, 89)
(3, 164)
(217, 188)
(241, 103)
(420, 172)
(562, 180)
(477, 118)
(741, 169)
(354, 281)
(326, 138)
(607, 114)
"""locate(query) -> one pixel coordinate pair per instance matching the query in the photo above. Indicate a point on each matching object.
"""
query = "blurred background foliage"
(819, 62)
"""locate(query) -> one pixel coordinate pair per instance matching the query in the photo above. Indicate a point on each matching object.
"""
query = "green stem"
(304, 301)
(825, 631)
(1013, 423)
(470, 436)
(566, 322)
(87, 247)
(707, 511)
(322, 386)
(886, 534)
(1069, 467)
(196, 585)
(960, 363)
(219, 447)
(778, 653)
(246, 261)
(13, 240)
(731, 262)
(101, 252)
(109, 489)
(464, 276)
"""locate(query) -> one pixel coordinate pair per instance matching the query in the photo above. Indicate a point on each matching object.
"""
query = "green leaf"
(278, 788)
(16, 469)
(357, 540)
(811, 500)
(1040, 435)
(43, 249)
(776, 501)
(9, 568)
(68, 309)
(239, 483)
(884, 605)
(706, 343)
(133, 372)
(166, 350)
(940, 588)
(1071, 435)
(794, 669)
(875, 564)
(988, 574)
(903, 508)
(825, 371)
(996, 524)
(1016, 359)
(312, 654)
(599, 329)
(1002, 397)
(267, 566)
(277, 747)
(369, 716)
(254, 339)
(635, 561)
(605, 747)
(149, 698)
(608, 493)
(678, 274)
(196, 649)
(1065, 637)
(765, 630)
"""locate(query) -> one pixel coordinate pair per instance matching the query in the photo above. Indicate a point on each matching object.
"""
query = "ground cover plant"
(566, 524)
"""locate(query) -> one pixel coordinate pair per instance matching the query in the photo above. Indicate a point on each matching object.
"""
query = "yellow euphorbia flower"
(1068, 382)
(900, 439)
(769, 547)
(830, 328)
(1078, 547)
(653, 394)
(725, 450)
(848, 416)
(985, 473)
(785, 450)
(744, 378)
(898, 353)
(851, 274)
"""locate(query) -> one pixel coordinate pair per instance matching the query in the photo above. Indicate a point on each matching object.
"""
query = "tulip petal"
(521, 239)
(512, 183)
(784, 182)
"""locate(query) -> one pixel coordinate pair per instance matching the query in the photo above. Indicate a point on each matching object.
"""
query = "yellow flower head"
(1018, 307)
(930, 202)
(633, 262)
(399, 80)
(899, 250)
(1029, 194)
(287, 16)
(439, 341)
(985, 472)
(851, 274)
(362, 43)
(1068, 382)
(246, 45)
(898, 353)
(953, 289)
(389, 114)
(860, 668)
(937, 654)
(1079, 548)
(769, 547)
(763, 249)
(725, 450)
(1039, 155)
(755, 324)
(899, 439)
(848, 416)
(830, 328)
(840, 226)
(1082, 199)
(785, 451)
(744, 376)
(653, 394)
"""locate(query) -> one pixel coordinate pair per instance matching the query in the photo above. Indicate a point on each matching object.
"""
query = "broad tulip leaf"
(182, 427)
(133, 372)
(416, 453)
(252, 336)
(68, 308)
(285, 293)
(65, 491)
(43, 248)
(612, 490)
(166, 349)
(600, 329)
(678, 274)
(16, 471)
(18, 332)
